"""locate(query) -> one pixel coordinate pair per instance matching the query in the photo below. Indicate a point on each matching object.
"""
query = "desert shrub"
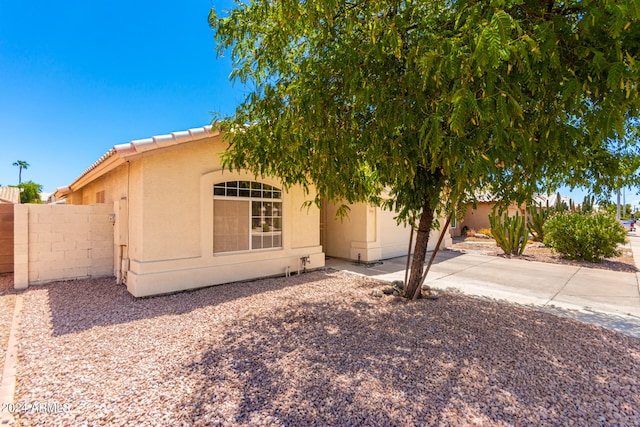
(509, 233)
(584, 237)
(485, 231)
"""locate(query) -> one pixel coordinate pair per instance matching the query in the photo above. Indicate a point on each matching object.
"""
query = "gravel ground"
(7, 303)
(315, 349)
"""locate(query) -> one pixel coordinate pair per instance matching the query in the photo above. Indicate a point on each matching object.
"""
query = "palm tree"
(22, 165)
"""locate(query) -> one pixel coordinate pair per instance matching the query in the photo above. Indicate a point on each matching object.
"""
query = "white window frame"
(263, 189)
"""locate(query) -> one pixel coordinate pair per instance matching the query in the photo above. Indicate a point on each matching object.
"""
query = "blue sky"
(78, 77)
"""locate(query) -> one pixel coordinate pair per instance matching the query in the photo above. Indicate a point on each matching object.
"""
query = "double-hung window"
(247, 215)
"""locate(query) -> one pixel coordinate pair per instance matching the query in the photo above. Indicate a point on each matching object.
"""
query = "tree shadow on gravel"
(456, 361)
(80, 305)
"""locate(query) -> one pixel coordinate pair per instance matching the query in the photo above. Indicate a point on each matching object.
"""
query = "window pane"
(256, 241)
(240, 225)
(230, 225)
(255, 209)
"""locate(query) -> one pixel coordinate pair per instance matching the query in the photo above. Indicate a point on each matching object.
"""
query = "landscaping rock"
(398, 284)
(388, 290)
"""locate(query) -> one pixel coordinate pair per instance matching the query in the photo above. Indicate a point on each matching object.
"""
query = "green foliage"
(612, 209)
(432, 99)
(30, 192)
(358, 97)
(587, 205)
(560, 205)
(538, 216)
(584, 237)
(509, 232)
(21, 164)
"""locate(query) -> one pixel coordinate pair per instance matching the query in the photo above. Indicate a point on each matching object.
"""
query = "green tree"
(30, 192)
(22, 165)
(430, 100)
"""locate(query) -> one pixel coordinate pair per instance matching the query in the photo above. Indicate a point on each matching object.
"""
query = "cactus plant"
(509, 233)
(538, 216)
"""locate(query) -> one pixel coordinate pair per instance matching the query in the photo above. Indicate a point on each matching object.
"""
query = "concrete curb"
(8, 385)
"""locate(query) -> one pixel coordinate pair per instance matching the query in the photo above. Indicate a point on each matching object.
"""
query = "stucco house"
(477, 217)
(369, 234)
(181, 222)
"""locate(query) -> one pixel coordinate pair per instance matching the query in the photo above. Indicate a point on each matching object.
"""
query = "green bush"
(584, 237)
(509, 233)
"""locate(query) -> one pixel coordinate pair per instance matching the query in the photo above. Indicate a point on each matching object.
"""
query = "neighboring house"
(477, 218)
(10, 195)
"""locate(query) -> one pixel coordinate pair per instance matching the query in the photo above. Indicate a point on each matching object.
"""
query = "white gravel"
(315, 349)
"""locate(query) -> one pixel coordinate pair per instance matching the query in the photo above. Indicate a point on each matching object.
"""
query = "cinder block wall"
(60, 242)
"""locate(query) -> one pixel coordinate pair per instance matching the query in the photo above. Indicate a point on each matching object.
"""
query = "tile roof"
(542, 199)
(138, 146)
(9, 195)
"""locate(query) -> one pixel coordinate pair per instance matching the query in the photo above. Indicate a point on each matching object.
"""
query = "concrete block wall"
(60, 242)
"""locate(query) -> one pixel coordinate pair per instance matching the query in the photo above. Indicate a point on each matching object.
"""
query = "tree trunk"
(444, 230)
(412, 289)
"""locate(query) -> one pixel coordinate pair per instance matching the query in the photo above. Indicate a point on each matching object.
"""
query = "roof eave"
(121, 153)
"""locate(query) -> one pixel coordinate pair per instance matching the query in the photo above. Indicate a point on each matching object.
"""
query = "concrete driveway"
(609, 298)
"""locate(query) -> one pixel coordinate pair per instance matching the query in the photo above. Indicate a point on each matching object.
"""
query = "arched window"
(247, 215)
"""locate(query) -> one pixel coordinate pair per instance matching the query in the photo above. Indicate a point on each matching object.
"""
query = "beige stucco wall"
(369, 233)
(60, 242)
(114, 185)
(169, 222)
(347, 237)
